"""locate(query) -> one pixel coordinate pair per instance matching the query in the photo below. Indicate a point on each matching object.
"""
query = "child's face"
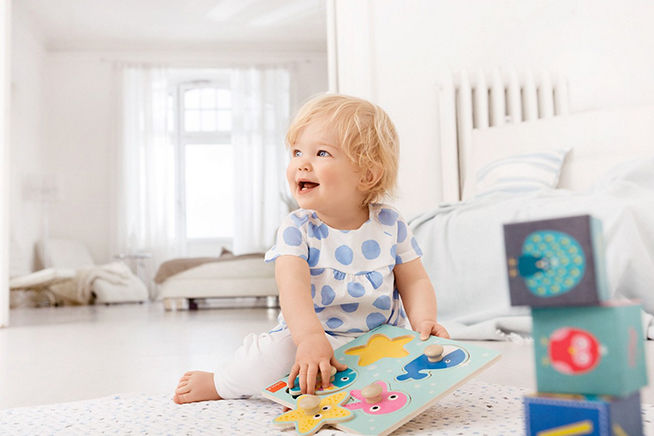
(320, 175)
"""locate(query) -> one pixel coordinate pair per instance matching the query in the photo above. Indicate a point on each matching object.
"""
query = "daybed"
(182, 283)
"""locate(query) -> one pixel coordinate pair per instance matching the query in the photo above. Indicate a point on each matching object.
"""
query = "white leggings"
(260, 361)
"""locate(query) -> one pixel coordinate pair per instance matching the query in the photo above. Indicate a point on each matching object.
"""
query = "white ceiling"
(93, 24)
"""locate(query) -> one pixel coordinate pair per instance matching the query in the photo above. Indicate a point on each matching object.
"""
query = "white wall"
(78, 150)
(26, 172)
(5, 38)
(80, 130)
(392, 52)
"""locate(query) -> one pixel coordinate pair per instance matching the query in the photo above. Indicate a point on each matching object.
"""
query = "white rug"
(474, 409)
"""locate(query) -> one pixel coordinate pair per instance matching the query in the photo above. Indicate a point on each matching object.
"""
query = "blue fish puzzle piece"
(421, 363)
(341, 380)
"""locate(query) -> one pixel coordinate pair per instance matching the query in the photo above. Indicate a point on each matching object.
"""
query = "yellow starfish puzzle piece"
(329, 411)
(380, 346)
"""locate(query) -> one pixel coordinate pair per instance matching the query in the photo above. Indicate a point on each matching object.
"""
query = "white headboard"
(482, 100)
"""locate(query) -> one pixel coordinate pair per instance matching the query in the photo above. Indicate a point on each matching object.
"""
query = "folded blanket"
(79, 289)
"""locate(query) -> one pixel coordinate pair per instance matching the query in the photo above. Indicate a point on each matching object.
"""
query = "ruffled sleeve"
(291, 237)
(407, 246)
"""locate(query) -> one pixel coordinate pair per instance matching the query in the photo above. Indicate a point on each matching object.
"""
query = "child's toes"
(183, 390)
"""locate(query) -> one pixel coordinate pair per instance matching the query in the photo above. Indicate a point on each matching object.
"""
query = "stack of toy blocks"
(588, 350)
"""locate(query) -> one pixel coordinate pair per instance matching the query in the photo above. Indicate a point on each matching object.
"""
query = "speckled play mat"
(474, 409)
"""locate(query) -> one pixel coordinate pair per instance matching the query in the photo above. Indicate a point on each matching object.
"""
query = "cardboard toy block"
(391, 377)
(552, 414)
(556, 262)
(590, 349)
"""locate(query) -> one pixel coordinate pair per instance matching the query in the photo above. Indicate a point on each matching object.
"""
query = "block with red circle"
(589, 349)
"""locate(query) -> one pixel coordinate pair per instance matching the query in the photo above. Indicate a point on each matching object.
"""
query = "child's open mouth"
(306, 186)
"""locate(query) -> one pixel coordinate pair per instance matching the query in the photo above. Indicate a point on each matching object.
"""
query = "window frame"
(181, 138)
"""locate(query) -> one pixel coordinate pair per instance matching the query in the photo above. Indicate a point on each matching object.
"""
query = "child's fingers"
(425, 332)
(325, 373)
(441, 332)
(303, 378)
(312, 371)
(338, 365)
(295, 370)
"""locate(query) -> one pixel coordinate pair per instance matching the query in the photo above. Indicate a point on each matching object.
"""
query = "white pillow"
(520, 173)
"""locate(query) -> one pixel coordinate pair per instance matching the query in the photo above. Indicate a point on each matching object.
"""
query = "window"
(202, 112)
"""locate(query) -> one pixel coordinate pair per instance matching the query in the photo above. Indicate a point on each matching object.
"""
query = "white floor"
(52, 355)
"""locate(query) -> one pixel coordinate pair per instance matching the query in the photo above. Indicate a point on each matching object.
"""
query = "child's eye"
(296, 153)
(323, 153)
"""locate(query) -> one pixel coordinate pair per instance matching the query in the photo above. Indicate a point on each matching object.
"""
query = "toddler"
(344, 264)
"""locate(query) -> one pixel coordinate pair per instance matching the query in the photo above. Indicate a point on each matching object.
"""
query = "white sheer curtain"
(261, 105)
(148, 217)
(146, 182)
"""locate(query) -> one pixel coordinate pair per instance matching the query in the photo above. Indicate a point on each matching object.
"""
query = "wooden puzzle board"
(365, 358)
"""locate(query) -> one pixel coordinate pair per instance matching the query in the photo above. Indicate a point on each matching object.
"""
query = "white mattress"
(228, 278)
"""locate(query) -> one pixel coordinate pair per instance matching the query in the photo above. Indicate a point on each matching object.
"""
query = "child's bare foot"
(195, 386)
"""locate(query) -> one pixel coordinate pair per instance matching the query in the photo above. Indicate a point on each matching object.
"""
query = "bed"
(599, 162)
(228, 280)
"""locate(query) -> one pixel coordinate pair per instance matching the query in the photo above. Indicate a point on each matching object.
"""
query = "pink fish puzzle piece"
(391, 401)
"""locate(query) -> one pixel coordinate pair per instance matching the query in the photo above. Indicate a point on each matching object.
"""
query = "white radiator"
(482, 100)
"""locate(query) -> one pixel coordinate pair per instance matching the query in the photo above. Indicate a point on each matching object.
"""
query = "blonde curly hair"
(365, 132)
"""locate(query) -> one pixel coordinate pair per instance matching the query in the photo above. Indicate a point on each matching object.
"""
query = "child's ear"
(370, 177)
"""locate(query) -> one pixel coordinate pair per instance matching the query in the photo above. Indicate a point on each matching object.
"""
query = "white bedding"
(464, 250)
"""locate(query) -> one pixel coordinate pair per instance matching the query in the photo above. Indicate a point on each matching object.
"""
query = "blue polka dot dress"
(352, 281)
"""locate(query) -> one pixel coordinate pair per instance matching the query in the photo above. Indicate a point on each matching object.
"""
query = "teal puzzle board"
(394, 356)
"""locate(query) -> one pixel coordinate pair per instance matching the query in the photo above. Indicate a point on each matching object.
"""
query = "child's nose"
(304, 166)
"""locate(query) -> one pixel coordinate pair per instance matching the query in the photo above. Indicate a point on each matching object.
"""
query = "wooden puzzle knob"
(331, 375)
(309, 404)
(372, 393)
(434, 352)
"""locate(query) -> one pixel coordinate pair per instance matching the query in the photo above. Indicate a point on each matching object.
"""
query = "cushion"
(520, 173)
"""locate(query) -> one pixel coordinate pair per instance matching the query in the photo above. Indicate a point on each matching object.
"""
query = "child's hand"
(429, 327)
(314, 353)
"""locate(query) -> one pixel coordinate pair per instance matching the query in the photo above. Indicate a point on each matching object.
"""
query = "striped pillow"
(521, 173)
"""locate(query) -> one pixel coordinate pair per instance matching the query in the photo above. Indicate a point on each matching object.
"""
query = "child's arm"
(314, 352)
(418, 298)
